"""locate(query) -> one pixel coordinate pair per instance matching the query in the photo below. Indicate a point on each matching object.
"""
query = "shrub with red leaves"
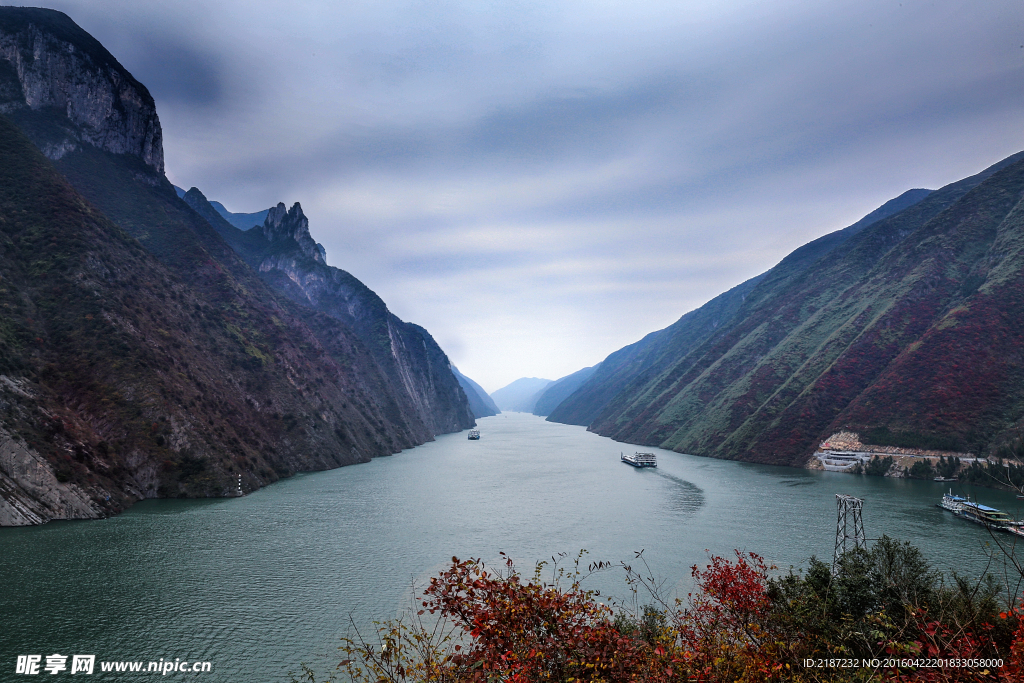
(537, 631)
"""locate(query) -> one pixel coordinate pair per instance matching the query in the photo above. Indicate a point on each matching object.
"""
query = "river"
(258, 584)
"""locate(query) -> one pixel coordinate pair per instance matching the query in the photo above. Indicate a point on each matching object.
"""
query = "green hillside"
(867, 335)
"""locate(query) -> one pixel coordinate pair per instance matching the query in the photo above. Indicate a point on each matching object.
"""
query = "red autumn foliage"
(725, 632)
(735, 627)
(532, 631)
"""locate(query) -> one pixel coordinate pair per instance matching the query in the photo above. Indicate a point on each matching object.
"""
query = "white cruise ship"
(640, 459)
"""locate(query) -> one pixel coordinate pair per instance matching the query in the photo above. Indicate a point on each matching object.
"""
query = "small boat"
(639, 459)
(945, 478)
(474, 434)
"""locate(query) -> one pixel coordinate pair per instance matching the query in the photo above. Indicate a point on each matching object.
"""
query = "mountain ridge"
(140, 355)
(817, 343)
(521, 395)
(290, 261)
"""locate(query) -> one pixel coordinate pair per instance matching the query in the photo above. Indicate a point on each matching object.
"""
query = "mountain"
(242, 221)
(637, 360)
(140, 355)
(556, 392)
(479, 402)
(907, 326)
(520, 396)
(651, 354)
(121, 380)
(290, 261)
(51, 67)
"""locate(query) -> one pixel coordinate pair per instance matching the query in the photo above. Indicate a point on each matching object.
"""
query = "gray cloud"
(178, 73)
(541, 183)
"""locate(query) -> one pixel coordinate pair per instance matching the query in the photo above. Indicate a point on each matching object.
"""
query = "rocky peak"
(49, 64)
(291, 223)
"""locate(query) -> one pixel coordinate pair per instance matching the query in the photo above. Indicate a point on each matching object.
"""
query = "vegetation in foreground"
(882, 615)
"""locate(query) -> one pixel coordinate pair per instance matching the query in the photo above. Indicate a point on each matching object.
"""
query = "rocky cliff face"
(140, 355)
(282, 225)
(291, 261)
(30, 492)
(49, 66)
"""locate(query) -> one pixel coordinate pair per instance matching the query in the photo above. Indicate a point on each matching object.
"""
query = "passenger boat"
(474, 434)
(952, 502)
(984, 515)
(639, 459)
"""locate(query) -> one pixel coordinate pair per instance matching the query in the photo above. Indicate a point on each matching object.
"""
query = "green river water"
(256, 585)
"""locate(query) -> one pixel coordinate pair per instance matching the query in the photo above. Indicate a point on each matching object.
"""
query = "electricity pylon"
(849, 526)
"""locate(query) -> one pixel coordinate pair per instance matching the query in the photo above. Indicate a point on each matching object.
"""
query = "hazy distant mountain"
(556, 392)
(479, 401)
(520, 396)
(242, 221)
(909, 326)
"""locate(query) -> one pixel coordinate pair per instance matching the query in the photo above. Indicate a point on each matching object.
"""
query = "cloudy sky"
(541, 183)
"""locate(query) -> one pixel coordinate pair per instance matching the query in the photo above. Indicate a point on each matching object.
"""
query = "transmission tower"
(849, 526)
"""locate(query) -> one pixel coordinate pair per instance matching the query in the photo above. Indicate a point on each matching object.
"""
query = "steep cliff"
(51, 69)
(140, 356)
(479, 402)
(122, 379)
(290, 260)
